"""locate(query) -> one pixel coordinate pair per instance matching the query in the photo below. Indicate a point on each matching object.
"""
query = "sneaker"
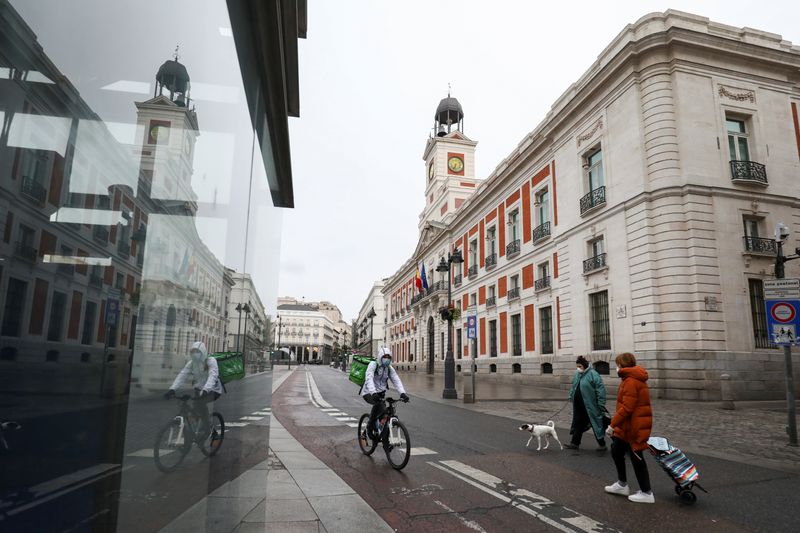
(571, 446)
(642, 497)
(601, 448)
(618, 488)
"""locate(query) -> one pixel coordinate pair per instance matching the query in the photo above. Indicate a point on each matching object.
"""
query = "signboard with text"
(783, 321)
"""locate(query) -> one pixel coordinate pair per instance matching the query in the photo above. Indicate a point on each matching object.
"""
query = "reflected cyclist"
(205, 381)
(376, 382)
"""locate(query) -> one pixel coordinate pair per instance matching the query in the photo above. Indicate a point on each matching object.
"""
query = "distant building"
(371, 322)
(247, 319)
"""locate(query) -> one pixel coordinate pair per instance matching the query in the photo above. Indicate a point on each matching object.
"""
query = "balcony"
(491, 301)
(65, 269)
(472, 271)
(457, 280)
(757, 245)
(33, 190)
(491, 261)
(594, 263)
(100, 233)
(594, 199)
(96, 280)
(513, 294)
(512, 249)
(541, 232)
(435, 289)
(25, 251)
(749, 172)
(541, 283)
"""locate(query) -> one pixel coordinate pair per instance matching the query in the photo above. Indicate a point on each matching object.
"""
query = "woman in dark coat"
(630, 428)
(588, 397)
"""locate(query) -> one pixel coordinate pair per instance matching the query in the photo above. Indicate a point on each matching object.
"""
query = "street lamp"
(449, 391)
(371, 316)
(246, 309)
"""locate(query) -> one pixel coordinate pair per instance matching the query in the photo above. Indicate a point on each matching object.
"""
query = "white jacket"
(205, 374)
(376, 379)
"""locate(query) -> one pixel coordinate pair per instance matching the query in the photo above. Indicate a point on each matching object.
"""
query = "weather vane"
(177, 48)
(448, 89)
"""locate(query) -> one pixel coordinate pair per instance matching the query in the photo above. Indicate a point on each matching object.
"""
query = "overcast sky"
(371, 76)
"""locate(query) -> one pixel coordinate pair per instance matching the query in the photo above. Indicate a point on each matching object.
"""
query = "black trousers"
(378, 407)
(618, 450)
(580, 420)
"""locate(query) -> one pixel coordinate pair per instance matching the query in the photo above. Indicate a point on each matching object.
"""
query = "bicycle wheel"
(171, 446)
(366, 444)
(397, 445)
(213, 440)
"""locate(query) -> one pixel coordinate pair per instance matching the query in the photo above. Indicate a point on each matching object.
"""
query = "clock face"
(430, 170)
(455, 164)
(159, 133)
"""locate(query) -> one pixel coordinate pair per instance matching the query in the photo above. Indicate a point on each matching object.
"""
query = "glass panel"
(735, 126)
(601, 333)
(732, 148)
(744, 150)
(546, 329)
(759, 314)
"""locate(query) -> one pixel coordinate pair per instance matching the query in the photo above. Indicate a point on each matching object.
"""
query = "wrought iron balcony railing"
(457, 280)
(542, 231)
(436, 287)
(513, 294)
(541, 283)
(595, 198)
(33, 190)
(749, 172)
(594, 263)
(100, 233)
(491, 301)
(472, 271)
(761, 246)
(491, 261)
(65, 269)
(25, 251)
(512, 248)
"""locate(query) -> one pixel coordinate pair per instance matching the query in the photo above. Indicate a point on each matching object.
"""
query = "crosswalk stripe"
(345, 419)
(236, 424)
(351, 424)
(423, 451)
(329, 409)
(251, 418)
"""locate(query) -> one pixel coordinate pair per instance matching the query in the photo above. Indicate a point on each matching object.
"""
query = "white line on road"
(315, 392)
(253, 418)
(262, 413)
(326, 409)
(423, 451)
(308, 387)
(345, 419)
(351, 424)
(236, 424)
(469, 523)
(147, 452)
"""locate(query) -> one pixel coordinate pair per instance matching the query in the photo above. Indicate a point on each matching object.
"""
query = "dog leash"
(557, 412)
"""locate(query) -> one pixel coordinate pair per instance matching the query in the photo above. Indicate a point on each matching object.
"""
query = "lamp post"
(781, 234)
(449, 392)
(246, 309)
(239, 327)
(371, 316)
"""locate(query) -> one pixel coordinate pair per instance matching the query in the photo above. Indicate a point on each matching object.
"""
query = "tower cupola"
(173, 77)
(449, 114)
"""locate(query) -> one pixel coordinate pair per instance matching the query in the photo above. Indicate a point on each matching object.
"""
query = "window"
(602, 368)
(516, 368)
(513, 229)
(737, 139)
(57, 312)
(596, 247)
(459, 344)
(514, 282)
(594, 170)
(547, 368)
(491, 240)
(25, 235)
(542, 205)
(758, 314)
(473, 252)
(491, 291)
(546, 329)
(444, 347)
(601, 327)
(493, 368)
(543, 270)
(472, 300)
(12, 314)
(516, 334)
(493, 338)
(753, 242)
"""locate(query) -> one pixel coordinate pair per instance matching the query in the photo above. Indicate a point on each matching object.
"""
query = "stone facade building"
(371, 324)
(637, 216)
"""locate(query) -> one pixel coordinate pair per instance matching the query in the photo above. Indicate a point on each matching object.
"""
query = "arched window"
(493, 368)
(601, 367)
(458, 368)
(547, 368)
(516, 368)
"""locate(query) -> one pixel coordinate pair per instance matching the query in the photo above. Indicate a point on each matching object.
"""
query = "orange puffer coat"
(633, 419)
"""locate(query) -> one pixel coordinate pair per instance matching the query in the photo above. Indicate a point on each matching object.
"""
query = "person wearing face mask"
(205, 379)
(588, 397)
(376, 383)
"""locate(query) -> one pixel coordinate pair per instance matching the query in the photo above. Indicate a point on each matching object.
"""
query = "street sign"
(783, 321)
(782, 289)
(112, 311)
(472, 330)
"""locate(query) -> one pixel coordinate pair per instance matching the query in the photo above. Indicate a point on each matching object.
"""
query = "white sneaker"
(642, 497)
(617, 488)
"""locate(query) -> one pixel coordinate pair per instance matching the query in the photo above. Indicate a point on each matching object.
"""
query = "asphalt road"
(481, 477)
(92, 469)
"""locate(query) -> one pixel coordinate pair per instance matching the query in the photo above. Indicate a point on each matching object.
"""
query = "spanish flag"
(418, 280)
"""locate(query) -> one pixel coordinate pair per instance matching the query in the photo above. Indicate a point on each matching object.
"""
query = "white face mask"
(617, 370)
(580, 369)
(196, 355)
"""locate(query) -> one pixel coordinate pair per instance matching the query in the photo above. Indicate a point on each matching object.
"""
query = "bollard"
(727, 393)
(467, 395)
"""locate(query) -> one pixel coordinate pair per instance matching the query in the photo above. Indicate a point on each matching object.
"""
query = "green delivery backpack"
(231, 365)
(359, 368)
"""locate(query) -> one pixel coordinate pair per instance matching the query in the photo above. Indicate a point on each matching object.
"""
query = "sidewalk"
(754, 433)
(291, 492)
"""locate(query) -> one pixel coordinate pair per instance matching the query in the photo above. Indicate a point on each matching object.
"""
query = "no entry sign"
(783, 321)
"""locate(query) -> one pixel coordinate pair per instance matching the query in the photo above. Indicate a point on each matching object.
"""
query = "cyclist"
(376, 382)
(205, 380)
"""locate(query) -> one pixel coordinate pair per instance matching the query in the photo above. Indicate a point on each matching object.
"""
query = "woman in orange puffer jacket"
(630, 428)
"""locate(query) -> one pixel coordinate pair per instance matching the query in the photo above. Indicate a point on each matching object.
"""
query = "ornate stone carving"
(754, 206)
(737, 95)
(589, 134)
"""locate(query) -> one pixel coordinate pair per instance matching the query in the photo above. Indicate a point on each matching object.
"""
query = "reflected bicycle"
(391, 432)
(174, 440)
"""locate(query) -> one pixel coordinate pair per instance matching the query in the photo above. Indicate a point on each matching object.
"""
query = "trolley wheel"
(678, 490)
(688, 497)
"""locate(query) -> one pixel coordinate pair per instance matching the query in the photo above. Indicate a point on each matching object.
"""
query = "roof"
(297, 307)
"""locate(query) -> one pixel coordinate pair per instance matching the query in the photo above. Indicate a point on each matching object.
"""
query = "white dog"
(539, 432)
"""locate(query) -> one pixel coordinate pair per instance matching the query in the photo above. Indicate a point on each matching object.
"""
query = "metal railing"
(758, 245)
(33, 189)
(436, 287)
(541, 283)
(25, 251)
(472, 271)
(595, 198)
(594, 263)
(513, 294)
(491, 301)
(512, 248)
(749, 171)
(542, 231)
(491, 261)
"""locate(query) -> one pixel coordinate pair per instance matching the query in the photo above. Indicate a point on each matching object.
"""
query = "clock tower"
(449, 164)
(168, 129)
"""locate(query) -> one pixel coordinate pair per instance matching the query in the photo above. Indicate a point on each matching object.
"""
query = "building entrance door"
(431, 338)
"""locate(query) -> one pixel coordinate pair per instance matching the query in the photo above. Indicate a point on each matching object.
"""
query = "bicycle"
(391, 432)
(174, 440)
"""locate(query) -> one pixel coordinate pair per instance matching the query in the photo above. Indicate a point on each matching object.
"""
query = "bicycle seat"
(10, 426)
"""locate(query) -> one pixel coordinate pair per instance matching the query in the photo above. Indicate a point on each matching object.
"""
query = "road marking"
(351, 424)
(326, 409)
(254, 418)
(345, 419)
(147, 452)
(262, 413)
(236, 424)
(560, 517)
(73, 477)
(308, 387)
(469, 523)
(423, 451)
(315, 391)
(338, 414)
